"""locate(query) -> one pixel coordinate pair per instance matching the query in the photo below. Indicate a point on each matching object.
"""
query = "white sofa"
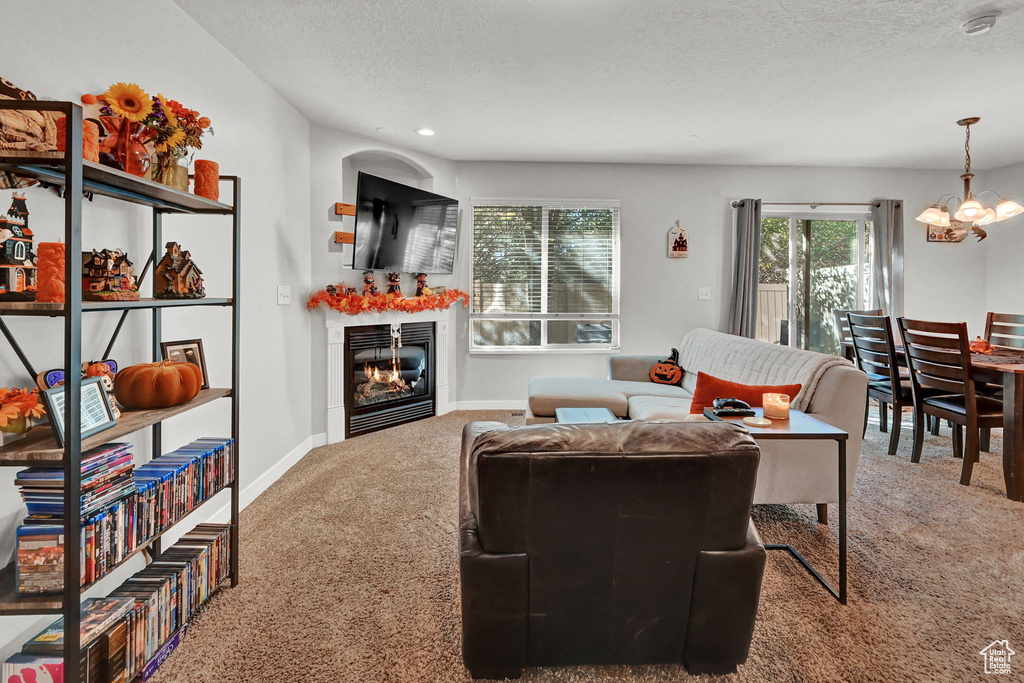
(791, 471)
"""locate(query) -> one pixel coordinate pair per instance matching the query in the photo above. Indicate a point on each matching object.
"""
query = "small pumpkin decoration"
(158, 385)
(667, 371)
(980, 345)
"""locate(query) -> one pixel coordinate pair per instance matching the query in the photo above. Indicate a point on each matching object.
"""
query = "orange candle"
(50, 273)
(90, 139)
(207, 179)
(776, 406)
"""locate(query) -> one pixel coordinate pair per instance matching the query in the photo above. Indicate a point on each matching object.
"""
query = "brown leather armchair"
(622, 543)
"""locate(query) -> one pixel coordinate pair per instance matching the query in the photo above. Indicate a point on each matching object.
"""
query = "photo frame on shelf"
(187, 351)
(97, 412)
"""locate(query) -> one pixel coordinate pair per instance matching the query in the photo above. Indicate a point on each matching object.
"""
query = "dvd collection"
(123, 507)
(129, 633)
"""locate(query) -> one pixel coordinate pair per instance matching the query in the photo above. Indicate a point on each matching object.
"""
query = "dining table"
(1004, 367)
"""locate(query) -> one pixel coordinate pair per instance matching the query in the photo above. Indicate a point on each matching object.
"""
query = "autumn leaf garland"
(354, 304)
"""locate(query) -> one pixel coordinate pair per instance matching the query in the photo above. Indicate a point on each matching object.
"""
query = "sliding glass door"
(811, 266)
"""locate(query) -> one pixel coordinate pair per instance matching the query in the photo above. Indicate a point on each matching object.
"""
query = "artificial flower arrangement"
(17, 407)
(344, 300)
(172, 128)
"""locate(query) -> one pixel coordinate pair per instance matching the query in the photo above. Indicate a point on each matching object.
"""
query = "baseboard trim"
(319, 439)
(491, 405)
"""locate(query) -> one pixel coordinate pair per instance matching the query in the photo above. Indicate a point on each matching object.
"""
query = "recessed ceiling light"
(425, 131)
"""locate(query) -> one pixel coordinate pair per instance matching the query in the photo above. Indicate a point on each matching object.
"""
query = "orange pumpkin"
(667, 371)
(980, 345)
(158, 385)
(97, 369)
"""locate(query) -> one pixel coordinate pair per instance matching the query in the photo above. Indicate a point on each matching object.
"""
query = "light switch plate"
(703, 294)
(284, 295)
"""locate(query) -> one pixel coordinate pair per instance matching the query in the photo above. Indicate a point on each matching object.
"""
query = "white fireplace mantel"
(336, 324)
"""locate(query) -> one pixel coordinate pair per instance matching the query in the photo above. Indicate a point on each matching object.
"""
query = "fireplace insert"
(388, 384)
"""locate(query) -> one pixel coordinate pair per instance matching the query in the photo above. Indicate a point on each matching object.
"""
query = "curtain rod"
(738, 204)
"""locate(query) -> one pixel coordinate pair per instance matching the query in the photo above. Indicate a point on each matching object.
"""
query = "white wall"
(659, 295)
(335, 159)
(64, 49)
(1004, 281)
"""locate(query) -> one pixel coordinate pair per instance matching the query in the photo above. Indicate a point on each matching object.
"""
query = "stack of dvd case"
(157, 496)
(129, 633)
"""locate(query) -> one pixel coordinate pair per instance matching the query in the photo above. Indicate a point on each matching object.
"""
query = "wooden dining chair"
(940, 360)
(875, 353)
(1005, 330)
(843, 330)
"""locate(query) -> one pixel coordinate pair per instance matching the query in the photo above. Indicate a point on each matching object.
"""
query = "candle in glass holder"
(776, 406)
(50, 272)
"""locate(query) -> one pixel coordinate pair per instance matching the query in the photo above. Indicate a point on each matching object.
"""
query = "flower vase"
(170, 169)
(125, 143)
(14, 430)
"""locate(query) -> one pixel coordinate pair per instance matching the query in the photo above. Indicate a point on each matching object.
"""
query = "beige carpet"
(349, 573)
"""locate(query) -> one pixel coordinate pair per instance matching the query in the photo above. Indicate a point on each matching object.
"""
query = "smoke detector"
(979, 25)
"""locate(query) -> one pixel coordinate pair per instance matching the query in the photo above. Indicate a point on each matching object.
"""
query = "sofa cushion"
(659, 408)
(548, 393)
(710, 387)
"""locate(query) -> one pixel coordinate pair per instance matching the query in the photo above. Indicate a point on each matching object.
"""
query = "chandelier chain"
(967, 150)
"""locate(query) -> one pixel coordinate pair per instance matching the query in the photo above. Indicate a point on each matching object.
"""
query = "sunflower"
(172, 120)
(175, 139)
(128, 101)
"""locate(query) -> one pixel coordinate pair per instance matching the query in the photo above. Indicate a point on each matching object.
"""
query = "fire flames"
(377, 377)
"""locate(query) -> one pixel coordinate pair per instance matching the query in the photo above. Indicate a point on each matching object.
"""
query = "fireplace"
(387, 384)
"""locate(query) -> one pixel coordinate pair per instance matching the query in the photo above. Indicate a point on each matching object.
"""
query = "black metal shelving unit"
(75, 178)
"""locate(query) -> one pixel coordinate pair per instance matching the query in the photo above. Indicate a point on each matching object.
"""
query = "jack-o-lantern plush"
(668, 371)
(158, 385)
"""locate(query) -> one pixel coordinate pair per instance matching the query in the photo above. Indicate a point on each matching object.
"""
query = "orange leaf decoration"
(353, 304)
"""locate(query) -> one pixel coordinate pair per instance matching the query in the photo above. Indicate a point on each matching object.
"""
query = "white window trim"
(561, 348)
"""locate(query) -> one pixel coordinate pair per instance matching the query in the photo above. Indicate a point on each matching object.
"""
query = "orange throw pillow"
(709, 388)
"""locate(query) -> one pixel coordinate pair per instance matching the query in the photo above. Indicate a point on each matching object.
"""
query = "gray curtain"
(743, 309)
(887, 248)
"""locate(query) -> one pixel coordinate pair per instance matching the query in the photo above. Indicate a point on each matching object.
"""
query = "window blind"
(536, 262)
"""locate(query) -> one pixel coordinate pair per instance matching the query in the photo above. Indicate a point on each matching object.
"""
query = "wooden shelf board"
(36, 308)
(110, 182)
(39, 447)
(13, 604)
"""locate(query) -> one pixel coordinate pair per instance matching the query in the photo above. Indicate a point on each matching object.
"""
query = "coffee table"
(584, 415)
(803, 426)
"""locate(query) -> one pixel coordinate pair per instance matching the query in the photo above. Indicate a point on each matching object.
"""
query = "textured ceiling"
(789, 82)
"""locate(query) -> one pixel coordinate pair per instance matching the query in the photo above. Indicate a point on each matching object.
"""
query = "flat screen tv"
(403, 228)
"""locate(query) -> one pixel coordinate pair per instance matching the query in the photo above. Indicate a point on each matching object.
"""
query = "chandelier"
(970, 214)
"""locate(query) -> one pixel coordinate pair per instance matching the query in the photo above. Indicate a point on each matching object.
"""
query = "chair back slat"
(843, 323)
(873, 346)
(938, 356)
(1005, 330)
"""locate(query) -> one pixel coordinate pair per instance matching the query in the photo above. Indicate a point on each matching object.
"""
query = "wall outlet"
(703, 294)
(284, 295)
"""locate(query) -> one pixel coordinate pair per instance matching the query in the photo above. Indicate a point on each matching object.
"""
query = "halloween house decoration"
(668, 371)
(677, 242)
(17, 259)
(108, 275)
(177, 276)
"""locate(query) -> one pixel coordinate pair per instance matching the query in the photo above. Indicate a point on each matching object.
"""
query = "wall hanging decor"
(956, 231)
(108, 275)
(17, 259)
(677, 244)
(177, 276)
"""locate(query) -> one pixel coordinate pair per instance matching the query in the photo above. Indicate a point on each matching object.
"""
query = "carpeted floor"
(349, 573)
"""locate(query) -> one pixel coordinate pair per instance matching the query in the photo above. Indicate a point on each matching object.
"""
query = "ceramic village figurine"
(177, 276)
(369, 286)
(108, 275)
(17, 258)
(394, 284)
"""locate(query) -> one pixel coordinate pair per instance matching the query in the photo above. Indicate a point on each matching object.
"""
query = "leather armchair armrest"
(718, 637)
(495, 607)
(631, 368)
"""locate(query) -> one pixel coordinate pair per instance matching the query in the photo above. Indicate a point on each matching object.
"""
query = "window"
(20, 252)
(545, 275)
(811, 266)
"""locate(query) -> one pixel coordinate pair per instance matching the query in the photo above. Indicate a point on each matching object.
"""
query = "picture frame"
(678, 242)
(950, 235)
(189, 351)
(97, 413)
